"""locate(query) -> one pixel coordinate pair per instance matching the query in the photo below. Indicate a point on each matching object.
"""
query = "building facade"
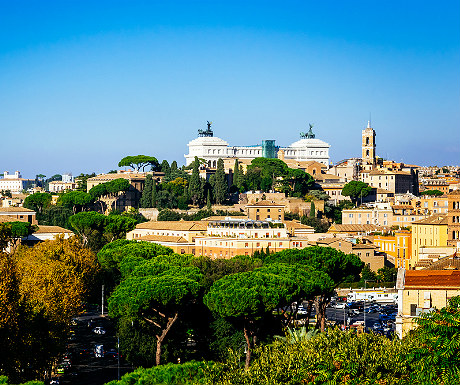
(15, 182)
(211, 148)
(422, 291)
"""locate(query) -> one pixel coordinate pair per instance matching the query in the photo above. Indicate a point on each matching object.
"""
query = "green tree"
(236, 173)
(37, 202)
(435, 193)
(340, 267)
(437, 357)
(312, 210)
(208, 200)
(356, 189)
(116, 226)
(246, 298)
(195, 187)
(6, 193)
(90, 227)
(166, 169)
(220, 188)
(387, 274)
(75, 200)
(168, 215)
(154, 193)
(295, 182)
(82, 181)
(136, 162)
(147, 193)
(156, 291)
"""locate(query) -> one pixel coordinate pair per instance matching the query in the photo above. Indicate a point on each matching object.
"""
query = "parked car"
(340, 305)
(99, 330)
(55, 381)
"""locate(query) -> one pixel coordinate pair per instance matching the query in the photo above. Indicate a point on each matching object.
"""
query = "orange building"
(397, 245)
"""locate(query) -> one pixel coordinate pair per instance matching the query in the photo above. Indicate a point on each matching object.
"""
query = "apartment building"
(398, 245)
(421, 291)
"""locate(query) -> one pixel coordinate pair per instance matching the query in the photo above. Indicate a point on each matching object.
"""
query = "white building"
(15, 182)
(211, 148)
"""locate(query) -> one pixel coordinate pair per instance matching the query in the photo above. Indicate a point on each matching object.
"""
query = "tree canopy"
(137, 162)
(356, 189)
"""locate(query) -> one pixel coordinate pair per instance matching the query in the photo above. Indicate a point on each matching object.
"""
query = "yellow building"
(263, 210)
(426, 233)
(420, 291)
(397, 245)
(453, 219)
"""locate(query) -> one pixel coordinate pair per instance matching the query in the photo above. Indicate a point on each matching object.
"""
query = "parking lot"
(92, 353)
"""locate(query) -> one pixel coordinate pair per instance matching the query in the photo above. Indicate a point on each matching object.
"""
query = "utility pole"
(102, 302)
(118, 356)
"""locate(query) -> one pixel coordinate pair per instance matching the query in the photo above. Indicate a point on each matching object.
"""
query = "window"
(413, 309)
(246, 244)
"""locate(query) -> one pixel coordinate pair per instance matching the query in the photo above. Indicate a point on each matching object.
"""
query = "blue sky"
(84, 83)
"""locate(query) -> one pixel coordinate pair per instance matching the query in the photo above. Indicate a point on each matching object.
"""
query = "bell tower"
(368, 147)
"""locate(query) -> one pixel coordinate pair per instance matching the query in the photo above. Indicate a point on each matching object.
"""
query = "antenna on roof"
(369, 121)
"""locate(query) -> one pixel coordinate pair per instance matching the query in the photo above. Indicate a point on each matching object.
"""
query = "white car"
(99, 330)
(341, 305)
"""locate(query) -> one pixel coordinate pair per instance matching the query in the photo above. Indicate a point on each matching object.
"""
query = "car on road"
(55, 381)
(99, 351)
(340, 305)
(99, 330)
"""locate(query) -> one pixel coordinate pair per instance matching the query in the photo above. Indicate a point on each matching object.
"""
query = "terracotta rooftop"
(106, 177)
(51, 229)
(439, 219)
(297, 225)
(174, 225)
(364, 228)
(388, 172)
(162, 238)
(265, 203)
(15, 210)
(432, 278)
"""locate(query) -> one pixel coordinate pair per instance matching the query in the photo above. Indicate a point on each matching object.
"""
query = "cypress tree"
(241, 178)
(312, 210)
(154, 194)
(166, 169)
(236, 172)
(146, 198)
(208, 200)
(195, 186)
(173, 166)
(220, 183)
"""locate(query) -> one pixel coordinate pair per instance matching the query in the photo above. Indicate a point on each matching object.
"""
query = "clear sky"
(85, 83)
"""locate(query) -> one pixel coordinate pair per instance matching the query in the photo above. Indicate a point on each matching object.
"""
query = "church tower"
(368, 147)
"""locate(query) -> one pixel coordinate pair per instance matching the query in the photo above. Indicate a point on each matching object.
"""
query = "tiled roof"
(363, 246)
(439, 219)
(174, 225)
(15, 210)
(224, 217)
(265, 203)
(297, 225)
(162, 238)
(356, 228)
(432, 278)
(51, 229)
(388, 172)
